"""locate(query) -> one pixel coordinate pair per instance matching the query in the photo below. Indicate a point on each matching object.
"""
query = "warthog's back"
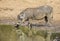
(42, 11)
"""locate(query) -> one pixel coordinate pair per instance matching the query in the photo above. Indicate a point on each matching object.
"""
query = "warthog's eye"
(21, 15)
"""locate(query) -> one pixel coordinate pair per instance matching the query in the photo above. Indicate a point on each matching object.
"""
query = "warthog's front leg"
(29, 25)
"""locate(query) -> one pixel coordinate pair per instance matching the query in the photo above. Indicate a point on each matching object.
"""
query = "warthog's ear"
(18, 17)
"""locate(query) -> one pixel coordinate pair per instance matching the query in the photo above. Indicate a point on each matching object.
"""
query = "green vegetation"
(34, 33)
(54, 35)
(8, 33)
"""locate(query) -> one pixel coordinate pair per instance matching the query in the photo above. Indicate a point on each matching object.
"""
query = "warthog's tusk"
(23, 20)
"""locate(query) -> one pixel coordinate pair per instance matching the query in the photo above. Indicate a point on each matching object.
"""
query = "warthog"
(37, 13)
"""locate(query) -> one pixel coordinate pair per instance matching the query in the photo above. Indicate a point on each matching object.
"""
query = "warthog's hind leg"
(46, 20)
(50, 21)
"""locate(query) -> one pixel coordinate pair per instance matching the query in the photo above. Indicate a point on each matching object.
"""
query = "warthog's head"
(21, 17)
